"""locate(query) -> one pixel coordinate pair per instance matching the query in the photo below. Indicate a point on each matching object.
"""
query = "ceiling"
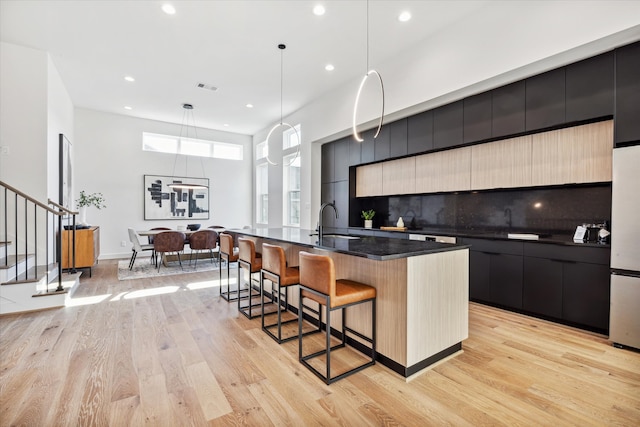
(231, 45)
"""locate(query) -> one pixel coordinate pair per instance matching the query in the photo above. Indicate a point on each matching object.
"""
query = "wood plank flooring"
(171, 352)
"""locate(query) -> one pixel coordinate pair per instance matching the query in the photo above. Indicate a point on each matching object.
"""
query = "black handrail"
(50, 214)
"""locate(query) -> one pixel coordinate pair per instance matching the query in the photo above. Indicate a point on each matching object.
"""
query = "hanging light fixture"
(176, 181)
(364, 79)
(282, 47)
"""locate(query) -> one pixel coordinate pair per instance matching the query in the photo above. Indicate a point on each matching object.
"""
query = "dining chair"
(153, 256)
(203, 240)
(137, 247)
(168, 242)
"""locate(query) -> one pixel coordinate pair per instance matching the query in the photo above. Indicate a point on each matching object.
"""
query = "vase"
(368, 223)
(82, 220)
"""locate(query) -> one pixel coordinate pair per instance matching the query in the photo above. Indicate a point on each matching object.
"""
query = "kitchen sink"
(523, 236)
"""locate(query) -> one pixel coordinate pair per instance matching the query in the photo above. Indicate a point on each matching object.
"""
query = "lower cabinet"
(542, 291)
(586, 294)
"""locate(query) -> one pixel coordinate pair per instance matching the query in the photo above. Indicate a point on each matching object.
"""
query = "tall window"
(190, 146)
(291, 177)
(262, 193)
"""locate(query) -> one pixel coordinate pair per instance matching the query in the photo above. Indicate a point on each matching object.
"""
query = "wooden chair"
(318, 283)
(168, 242)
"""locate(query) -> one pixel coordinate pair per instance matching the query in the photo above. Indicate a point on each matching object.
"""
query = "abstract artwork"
(164, 202)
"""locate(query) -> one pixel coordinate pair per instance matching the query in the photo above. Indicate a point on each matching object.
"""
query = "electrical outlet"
(4, 150)
(123, 243)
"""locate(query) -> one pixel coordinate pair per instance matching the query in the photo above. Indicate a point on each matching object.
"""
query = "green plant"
(368, 215)
(93, 199)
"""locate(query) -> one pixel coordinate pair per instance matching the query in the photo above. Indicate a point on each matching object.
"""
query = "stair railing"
(27, 214)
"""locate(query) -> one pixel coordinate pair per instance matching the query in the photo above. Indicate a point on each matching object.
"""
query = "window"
(291, 185)
(261, 150)
(290, 139)
(191, 147)
(262, 193)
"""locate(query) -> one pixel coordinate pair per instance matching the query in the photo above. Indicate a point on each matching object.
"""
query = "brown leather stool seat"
(275, 269)
(230, 254)
(318, 283)
(250, 260)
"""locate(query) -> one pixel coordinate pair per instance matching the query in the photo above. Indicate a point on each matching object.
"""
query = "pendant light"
(176, 181)
(370, 72)
(282, 47)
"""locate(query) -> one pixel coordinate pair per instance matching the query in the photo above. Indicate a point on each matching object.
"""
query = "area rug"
(143, 269)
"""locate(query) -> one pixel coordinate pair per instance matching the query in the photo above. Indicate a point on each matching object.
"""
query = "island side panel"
(438, 303)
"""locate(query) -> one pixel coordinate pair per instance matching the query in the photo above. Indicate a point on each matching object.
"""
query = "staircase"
(31, 276)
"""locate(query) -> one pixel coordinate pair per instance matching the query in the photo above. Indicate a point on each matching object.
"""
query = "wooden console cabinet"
(87, 248)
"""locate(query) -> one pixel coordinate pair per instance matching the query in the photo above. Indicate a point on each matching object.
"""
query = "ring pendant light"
(282, 47)
(188, 108)
(364, 79)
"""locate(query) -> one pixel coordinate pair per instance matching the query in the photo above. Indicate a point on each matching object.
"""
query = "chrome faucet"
(320, 225)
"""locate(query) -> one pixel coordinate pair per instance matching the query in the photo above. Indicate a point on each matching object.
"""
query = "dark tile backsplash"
(545, 210)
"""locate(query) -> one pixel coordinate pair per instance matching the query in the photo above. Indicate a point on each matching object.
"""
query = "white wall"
(502, 43)
(109, 159)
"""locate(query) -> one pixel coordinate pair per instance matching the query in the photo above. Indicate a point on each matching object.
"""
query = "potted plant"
(368, 218)
(85, 200)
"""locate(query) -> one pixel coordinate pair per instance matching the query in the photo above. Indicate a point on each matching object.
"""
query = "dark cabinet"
(381, 144)
(341, 197)
(542, 287)
(545, 100)
(420, 133)
(479, 276)
(477, 117)
(507, 105)
(585, 294)
(398, 138)
(327, 162)
(367, 146)
(327, 195)
(354, 151)
(505, 280)
(341, 160)
(448, 125)
(627, 106)
(589, 88)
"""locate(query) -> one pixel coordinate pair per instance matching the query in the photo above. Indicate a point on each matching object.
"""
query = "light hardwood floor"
(171, 352)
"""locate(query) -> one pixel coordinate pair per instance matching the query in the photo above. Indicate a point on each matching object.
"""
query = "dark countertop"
(376, 248)
(556, 239)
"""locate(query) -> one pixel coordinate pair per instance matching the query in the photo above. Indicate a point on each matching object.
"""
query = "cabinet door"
(369, 180)
(505, 280)
(627, 93)
(398, 138)
(341, 195)
(367, 147)
(420, 133)
(477, 117)
(327, 162)
(507, 104)
(341, 160)
(447, 125)
(381, 144)
(545, 100)
(354, 151)
(590, 88)
(444, 171)
(501, 164)
(479, 276)
(585, 294)
(542, 287)
(399, 176)
(327, 195)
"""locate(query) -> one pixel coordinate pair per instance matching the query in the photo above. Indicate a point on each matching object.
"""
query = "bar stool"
(229, 253)
(318, 283)
(275, 269)
(252, 261)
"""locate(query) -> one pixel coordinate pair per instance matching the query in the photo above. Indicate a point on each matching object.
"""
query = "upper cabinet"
(447, 125)
(399, 176)
(341, 159)
(381, 144)
(448, 170)
(477, 117)
(420, 133)
(507, 105)
(545, 100)
(578, 154)
(327, 162)
(369, 180)
(398, 138)
(589, 88)
(627, 109)
(501, 164)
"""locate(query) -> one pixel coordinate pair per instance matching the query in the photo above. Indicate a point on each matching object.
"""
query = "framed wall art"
(164, 202)
(65, 171)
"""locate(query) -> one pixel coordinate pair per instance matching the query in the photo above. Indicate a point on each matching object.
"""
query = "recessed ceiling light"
(129, 79)
(404, 16)
(126, 107)
(318, 10)
(329, 67)
(168, 9)
(249, 105)
(226, 125)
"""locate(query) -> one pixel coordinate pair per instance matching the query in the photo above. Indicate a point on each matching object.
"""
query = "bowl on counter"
(193, 227)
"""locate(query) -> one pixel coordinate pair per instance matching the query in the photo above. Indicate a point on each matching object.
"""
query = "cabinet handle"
(491, 253)
(563, 260)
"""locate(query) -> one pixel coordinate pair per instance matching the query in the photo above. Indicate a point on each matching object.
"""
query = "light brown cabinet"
(444, 171)
(578, 154)
(399, 176)
(369, 180)
(501, 164)
(87, 248)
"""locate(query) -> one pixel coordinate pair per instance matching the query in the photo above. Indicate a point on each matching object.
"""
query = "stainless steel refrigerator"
(624, 322)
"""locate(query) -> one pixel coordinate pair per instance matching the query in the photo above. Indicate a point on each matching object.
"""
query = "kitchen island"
(422, 291)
